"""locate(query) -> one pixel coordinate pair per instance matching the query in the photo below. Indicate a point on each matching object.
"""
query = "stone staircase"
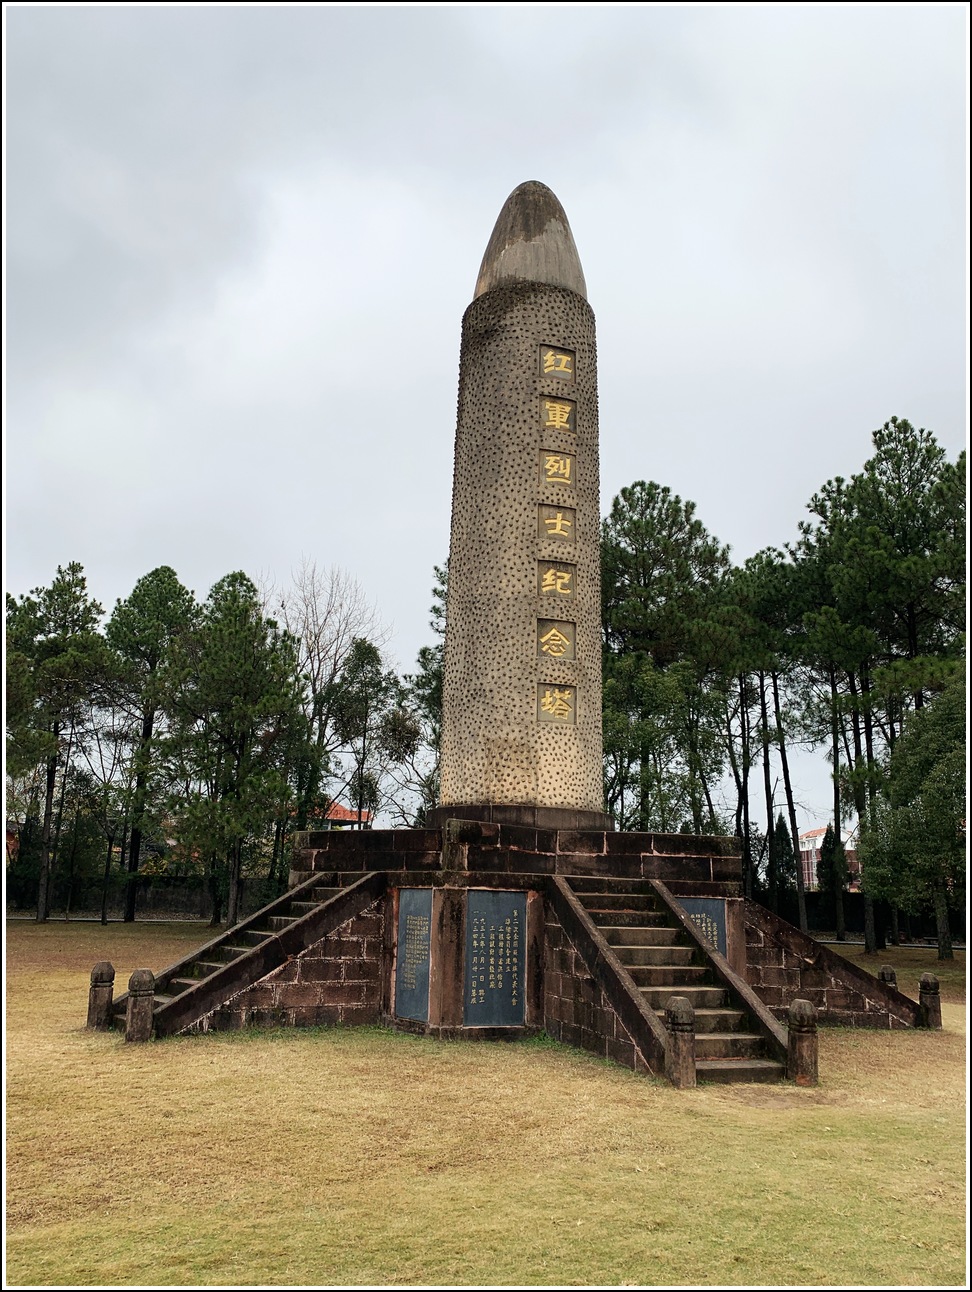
(663, 961)
(189, 990)
(235, 942)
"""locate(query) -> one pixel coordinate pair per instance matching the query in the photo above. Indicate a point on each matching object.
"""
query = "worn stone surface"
(576, 1010)
(531, 242)
(802, 1047)
(335, 980)
(100, 995)
(783, 964)
(138, 1012)
(680, 1021)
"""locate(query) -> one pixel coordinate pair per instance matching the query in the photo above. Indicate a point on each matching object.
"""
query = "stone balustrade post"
(801, 1048)
(100, 995)
(930, 1001)
(680, 1021)
(141, 1000)
(888, 975)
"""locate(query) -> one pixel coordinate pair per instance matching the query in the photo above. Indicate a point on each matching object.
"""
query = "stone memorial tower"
(521, 729)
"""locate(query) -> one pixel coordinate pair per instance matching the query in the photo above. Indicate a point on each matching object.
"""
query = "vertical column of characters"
(556, 526)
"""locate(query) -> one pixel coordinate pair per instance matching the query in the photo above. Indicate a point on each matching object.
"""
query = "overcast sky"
(240, 242)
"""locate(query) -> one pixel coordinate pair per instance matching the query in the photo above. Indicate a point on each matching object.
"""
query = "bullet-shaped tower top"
(532, 243)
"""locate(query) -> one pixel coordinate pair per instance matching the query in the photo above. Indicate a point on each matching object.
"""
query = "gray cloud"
(240, 242)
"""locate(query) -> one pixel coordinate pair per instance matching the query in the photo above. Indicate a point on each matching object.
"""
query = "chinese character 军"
(558, 414)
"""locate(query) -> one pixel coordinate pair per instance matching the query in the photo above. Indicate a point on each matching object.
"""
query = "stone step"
(298, 877)
(627, 936)
(618, 901)
(729, 1045)
(664, 955)
(297, 909)
(324, 894)
(206, 967)
(726, 1070)
(278, 922)
(714, 1020)
(253, 937)
(674, 976)
(629, 919)
(161, 998)
(583, 884)
(700, 997)
(227, 952)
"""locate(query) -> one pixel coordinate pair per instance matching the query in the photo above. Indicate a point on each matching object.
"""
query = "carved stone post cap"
(888, 974)
(141, 983)
(103, 972)
(928, 984)
(680, 1014)
(802, 1016)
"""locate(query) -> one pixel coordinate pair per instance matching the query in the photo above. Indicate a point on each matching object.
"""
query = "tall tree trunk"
(747, 857)
(943, 932)
(790, 808)
(138, 812)
(880, 940)
(772, 878)
(895, 925)
(106, 878)
(841, 931)
(44, 884)
(234, 859)
(215, 895)
(860, 805)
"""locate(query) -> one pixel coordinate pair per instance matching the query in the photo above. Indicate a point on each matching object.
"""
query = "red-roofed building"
(810, 842)
(338, 817)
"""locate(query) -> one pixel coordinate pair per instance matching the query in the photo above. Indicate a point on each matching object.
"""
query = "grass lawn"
(333, 1156)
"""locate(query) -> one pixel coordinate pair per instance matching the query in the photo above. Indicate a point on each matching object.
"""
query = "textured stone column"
(100, 995)
(141, 1000)
(801, 1048)
(680, 1021)
(930, 1000)
(888, 976)
(521, 730)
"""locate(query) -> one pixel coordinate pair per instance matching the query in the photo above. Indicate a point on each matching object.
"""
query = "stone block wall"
(576, 1010)
(336, 980)
(783, 964)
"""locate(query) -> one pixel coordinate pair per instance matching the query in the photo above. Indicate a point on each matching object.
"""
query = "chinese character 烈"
(557, 468)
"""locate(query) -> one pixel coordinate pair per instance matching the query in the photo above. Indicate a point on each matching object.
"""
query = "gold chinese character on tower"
(557, 468)
(557, 363)
(555, 703)
(558, 415)
(556, 580)
(557, 522)
(555, 639)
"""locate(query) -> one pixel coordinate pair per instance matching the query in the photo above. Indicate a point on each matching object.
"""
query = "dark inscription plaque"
(495, 962)
(414, 944)
(708, 914)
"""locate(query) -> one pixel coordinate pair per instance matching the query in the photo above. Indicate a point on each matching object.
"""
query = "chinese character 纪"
(556, 581)
(558, 362)
(554, 643)
(558, 414)
(556, 468)
(558, 525)
(557, 703)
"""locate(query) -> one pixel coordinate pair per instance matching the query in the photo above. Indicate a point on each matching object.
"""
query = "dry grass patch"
(334, 1156)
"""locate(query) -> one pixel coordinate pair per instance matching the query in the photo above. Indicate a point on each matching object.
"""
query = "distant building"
(338, 817)
(810, 842)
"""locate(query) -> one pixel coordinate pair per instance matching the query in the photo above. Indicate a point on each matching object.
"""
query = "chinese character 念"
(554, 643)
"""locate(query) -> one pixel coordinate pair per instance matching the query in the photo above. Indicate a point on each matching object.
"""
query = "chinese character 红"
(558, 415)
(557, 703)
(557, 363)
(558, 468)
